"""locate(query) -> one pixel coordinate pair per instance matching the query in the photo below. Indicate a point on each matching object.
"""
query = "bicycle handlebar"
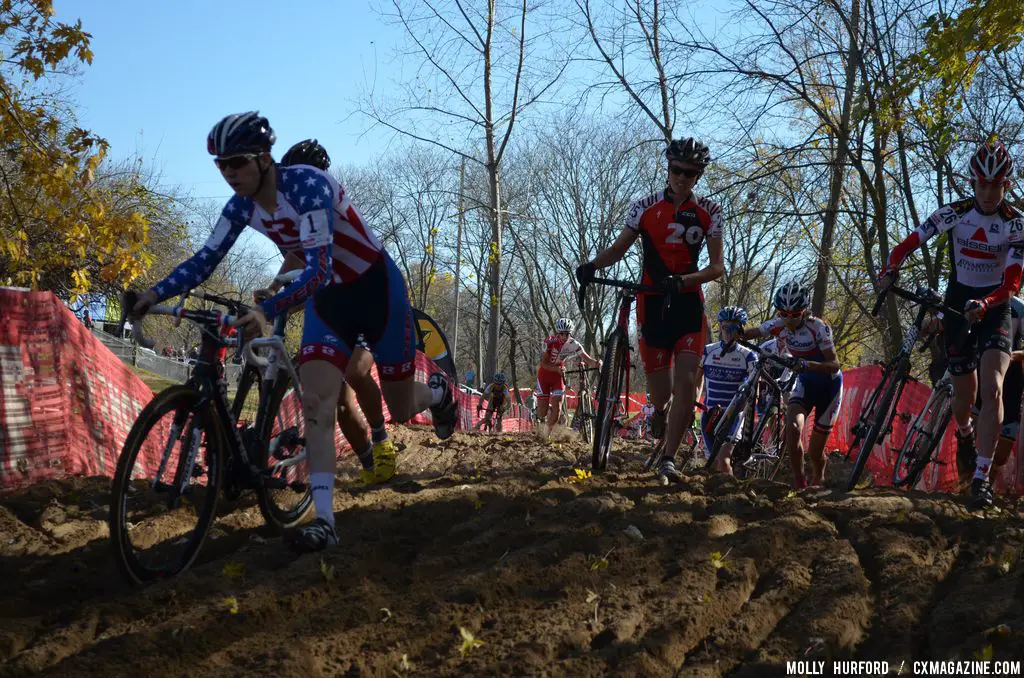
(217, 318)
(922, 297)
(929, 298)
(610, 282)
(789, 363)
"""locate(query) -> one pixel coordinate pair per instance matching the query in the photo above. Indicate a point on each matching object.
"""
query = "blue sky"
(164, 72)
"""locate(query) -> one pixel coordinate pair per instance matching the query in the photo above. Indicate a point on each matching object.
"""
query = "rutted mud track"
(611, 575)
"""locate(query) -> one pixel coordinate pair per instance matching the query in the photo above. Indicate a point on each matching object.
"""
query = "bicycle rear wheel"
(609, 388)
(157, 492)
(924, 436)
(769, 442)
(722, 428)
(884, 413)
(282, 448)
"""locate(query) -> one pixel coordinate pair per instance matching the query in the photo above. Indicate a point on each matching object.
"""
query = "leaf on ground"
(387, 615)
(469, 641)
(477, 503)
(591, 596)
(234, 570)
(326, 570)
(231, 604)
(984, 654)
(718, 560)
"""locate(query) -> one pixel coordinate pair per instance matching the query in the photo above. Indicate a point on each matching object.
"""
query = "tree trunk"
(838, 165)
(494, 279)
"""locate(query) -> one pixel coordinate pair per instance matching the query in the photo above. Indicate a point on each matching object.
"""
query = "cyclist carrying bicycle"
(726, 366)
(558, 348)
(496, 395)
(985, 245)
(371, 441)
(349, 282)
(672, 225)
(819, 388)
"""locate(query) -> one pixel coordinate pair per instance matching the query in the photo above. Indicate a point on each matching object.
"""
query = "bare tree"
(479, 71)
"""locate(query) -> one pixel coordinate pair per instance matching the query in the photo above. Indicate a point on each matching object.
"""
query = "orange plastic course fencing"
(67, 403)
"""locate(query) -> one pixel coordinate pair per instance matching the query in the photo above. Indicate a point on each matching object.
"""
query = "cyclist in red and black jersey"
(673, 226)
(985, 246)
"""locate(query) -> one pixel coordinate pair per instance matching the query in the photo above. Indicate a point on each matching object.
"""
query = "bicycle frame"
(272, 365)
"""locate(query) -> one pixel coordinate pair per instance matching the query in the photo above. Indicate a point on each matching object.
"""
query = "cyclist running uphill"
(647, 412)
(726, 366)
(985, 272)
(371, 441)
(496, 396)
(355, 297)
(819, 386)
(673, 226)
(558, 348)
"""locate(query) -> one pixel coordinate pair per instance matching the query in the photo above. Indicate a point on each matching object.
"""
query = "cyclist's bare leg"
(542, 414)
(353, 425)
(359, 377)
(406, 398)
(816, 451)
(795, 417)
(684, 394)
(723, 463)
(965, 392)
(321, 383)
(993, 369)
(1003, 449)
(554, 411)
(660, 385)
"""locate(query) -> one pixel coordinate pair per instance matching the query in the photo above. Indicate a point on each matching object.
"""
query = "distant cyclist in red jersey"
(558, 348)
(673, 226)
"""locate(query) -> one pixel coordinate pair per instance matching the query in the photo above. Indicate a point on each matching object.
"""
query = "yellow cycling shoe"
(367, 476)
(384, 461)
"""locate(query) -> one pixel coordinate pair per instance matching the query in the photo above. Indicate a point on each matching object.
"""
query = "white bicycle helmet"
(991, 162)
(563, 325)
(793, 296)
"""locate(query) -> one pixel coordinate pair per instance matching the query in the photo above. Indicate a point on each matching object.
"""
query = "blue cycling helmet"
(240, 133)
(499, 377)
(793, 296)
(733, 314)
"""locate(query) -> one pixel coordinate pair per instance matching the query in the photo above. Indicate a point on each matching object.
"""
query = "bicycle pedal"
(273, 483)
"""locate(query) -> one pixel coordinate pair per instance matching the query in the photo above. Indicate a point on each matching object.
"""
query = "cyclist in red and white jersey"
(558, 348)
(673, 225)
(819, 386)
(985, 246)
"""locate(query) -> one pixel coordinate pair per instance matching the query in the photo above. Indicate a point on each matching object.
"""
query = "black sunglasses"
(235, 161)
(689, 173)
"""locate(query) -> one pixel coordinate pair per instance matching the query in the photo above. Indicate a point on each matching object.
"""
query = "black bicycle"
(185, 449)
(875, 420)
(613, 383)
(757, 447)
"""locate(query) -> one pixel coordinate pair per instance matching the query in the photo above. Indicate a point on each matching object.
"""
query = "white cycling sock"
(436, 396)
(322, 487)
(982, 468)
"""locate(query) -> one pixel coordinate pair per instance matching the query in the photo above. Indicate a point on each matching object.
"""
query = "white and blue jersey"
(822, 393)
(725, 369)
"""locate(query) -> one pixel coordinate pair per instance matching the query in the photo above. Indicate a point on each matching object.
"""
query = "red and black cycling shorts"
(663, 335)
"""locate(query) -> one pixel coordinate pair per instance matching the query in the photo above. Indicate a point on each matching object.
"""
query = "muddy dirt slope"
(483, 559)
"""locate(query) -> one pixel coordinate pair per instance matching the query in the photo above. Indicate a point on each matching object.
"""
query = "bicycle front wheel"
(884, 412)
(286, 497)
(924, 436)
(609, 388)
(164, 496)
